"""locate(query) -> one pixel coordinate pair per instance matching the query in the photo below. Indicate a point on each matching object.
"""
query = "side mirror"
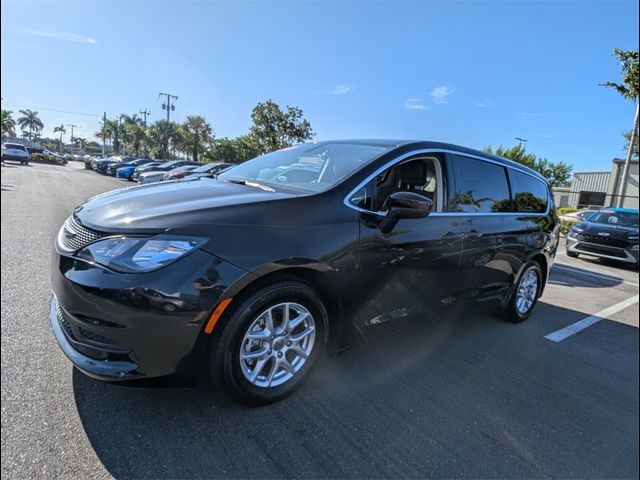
(408, 205)
(401, 205)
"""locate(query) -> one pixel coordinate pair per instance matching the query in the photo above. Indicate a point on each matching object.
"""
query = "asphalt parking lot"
(468, 396)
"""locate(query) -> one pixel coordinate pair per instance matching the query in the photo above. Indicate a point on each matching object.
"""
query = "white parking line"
(571, 269)
(580, 325)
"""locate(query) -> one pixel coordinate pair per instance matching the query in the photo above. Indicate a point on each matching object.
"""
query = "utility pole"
(144, 113)
(72, 127)
(104, 145)
(521, 140)
(169, 106)
(622, 188)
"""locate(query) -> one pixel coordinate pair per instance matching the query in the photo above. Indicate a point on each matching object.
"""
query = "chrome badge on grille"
(68, 230)
(604, 234)
(74, 236)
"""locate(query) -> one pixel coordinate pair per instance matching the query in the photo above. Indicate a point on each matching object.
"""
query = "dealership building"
(600, 189)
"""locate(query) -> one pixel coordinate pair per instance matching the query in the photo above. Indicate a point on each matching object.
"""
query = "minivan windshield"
(310, 167)
(613, 217)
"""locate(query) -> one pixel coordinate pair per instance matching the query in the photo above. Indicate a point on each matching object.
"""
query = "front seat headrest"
(413, 173)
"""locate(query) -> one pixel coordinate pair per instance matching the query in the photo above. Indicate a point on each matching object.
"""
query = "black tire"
(572, 254)
(224, 354)
(511, 312)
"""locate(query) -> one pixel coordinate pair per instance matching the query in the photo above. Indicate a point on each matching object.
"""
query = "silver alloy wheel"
(527, 291)
(277, 344)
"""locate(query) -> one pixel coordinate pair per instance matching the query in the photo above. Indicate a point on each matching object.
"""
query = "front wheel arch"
(319, 278)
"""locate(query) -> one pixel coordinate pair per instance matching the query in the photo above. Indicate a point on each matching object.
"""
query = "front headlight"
(139, 255)
(634, 248)
(575, 231)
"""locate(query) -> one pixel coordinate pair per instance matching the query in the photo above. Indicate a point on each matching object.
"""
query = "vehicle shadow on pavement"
(469, 395)
(572, 276)
(589, 261)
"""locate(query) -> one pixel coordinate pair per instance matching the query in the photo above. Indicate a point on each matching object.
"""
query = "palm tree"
(31, 121)
(135, 135)
(196, 133)
(80, 142)
(161, 136)
(106, 131)
(62, 131)
(629, 89)
(8, 124)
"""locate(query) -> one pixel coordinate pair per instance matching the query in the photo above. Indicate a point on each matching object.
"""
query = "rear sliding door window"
(480, 187)
(529, 193)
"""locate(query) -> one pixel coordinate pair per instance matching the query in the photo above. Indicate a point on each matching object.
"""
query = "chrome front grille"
(601, 240)
(75, 236)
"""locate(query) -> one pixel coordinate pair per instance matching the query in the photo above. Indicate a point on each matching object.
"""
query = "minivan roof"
(425, 144)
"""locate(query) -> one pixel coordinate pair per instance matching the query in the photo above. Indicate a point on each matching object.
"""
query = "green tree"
(80, 142)
(629, 71)
(8, 123)
(274, 128)
(135, 135)
(196, 133)
(636, 145)
(109, 132)
(30, 120)
(629, 88)
(60, 128)
(232, 150)
(163, 136)
(557, 173)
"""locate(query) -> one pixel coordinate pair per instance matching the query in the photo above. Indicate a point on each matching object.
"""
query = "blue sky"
(472, 73)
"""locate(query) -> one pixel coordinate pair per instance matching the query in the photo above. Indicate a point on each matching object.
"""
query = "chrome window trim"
(413, 153)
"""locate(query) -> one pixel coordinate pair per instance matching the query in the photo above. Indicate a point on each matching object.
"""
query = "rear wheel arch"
(541, 260)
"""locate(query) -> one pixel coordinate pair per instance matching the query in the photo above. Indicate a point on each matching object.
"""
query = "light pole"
(120, 133)
(145, 112)
(169, 107)
(72, 127)
(521, 140)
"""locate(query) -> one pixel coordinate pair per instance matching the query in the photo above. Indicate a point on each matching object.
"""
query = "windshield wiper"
(249, 183)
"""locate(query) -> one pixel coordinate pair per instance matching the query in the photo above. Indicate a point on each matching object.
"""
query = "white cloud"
(485, 104)
(415, 104)
(525, 115)
(67, 37)
(440, 94)
(342, 90)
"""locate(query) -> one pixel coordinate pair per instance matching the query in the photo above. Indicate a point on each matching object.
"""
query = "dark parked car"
(147, 168)
(611, 233)
(157, 173)
(126, 171)
(311, 246)
(15, 152)
(208, 170)
(113, 166)
(180, 172)
(101, 164)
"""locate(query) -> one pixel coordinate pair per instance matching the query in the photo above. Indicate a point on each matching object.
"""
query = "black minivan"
(249, 276)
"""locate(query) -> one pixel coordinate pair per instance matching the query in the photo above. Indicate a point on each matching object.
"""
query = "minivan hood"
(161, 206)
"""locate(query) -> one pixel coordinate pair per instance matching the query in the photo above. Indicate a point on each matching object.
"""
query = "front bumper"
(99, 368)
(117, 327)
(15, 158)
(625, 255)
